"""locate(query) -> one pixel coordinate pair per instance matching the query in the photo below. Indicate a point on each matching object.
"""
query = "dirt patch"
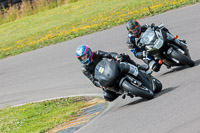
(93, 107)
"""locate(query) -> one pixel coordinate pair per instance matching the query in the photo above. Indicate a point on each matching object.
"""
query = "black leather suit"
(88, 70)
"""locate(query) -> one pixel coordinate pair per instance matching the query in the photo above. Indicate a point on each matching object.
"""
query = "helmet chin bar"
(86, 61)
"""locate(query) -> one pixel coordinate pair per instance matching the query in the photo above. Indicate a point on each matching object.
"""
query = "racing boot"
(143, 67)
(133, 70)
(110, 96)
(155, 66)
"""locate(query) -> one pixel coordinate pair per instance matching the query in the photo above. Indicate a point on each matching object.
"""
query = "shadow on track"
(180, 68)
(164, 91)
(177, 69)
(135, 102)
(197, 62)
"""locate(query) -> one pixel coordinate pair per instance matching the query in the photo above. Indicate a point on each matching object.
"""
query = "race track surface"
(54, 71)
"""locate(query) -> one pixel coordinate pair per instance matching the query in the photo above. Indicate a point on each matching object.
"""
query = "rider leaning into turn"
(90, 59)
(134, 36)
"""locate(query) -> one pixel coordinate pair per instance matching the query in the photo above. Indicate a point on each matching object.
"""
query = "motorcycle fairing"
(106, 72)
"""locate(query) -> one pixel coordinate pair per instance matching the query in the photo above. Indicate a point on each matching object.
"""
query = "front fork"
(183, 50)
(181, 46)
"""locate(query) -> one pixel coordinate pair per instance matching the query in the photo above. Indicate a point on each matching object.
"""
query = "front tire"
(158, 85)
(182, 58)
(142, 91)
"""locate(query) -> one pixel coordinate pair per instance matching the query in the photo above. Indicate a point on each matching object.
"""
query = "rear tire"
(182, 58)
(142, 92)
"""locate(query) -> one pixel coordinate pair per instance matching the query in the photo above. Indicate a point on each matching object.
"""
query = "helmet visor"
(135, 31)
(84, 57)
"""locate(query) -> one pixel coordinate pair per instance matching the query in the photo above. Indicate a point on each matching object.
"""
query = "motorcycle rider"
(134, 36)
(90, 59)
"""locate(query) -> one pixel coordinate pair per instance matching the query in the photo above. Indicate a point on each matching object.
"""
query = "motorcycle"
(165, 48)
(110, 76)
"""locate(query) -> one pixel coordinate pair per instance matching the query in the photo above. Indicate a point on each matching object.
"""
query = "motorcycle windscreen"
(106, 72)
(148, 38)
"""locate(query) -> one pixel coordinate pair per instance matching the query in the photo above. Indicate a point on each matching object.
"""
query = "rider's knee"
(110, 96)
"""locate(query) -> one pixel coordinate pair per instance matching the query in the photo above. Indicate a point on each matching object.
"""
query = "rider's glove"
(118, 57)
(153, 26)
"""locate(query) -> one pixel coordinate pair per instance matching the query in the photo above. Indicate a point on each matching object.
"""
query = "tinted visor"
(135, 31)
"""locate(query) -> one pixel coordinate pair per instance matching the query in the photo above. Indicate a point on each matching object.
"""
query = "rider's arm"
(130, 41)
(90, 76)
(138, 54)
(110, 55)
(131, 45)
(163, 28)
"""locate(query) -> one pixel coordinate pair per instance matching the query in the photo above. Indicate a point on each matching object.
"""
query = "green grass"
(75, 19)
(40, 117)
(26, 9)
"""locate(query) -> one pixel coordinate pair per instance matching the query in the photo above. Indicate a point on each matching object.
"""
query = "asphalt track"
(55, 72)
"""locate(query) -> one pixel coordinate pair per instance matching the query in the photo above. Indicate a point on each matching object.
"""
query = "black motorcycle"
(112, 78)
(164, 47)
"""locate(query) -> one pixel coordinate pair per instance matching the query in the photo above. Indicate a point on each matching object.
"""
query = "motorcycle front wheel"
(141, 91)
(182, 58)
(158, 85)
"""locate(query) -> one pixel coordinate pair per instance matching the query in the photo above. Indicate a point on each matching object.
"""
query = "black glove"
(156, 67)
(118, 57)
(152, 25)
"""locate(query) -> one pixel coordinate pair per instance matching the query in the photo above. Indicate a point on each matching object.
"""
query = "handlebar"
(161, 25)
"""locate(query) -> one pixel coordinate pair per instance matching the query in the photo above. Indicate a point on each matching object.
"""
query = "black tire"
(142, 92)
(158, 85)
(182, 58)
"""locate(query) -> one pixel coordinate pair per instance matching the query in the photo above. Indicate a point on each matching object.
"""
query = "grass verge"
(42, 116)
(76, 19)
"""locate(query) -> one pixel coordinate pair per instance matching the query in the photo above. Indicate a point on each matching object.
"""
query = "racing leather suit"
(88, 70)
(132, 43)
